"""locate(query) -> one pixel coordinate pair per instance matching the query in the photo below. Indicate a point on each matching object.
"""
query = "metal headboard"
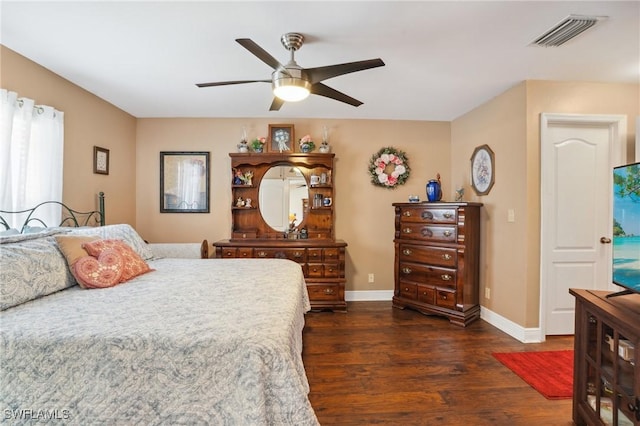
(70, 217)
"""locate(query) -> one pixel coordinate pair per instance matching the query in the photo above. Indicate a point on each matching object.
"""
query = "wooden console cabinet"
(310, 242)
(437, 259)
(606, 376)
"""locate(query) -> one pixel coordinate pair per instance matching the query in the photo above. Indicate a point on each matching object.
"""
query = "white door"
(578, 153)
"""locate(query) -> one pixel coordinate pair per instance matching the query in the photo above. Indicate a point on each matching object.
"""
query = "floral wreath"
(389, 168)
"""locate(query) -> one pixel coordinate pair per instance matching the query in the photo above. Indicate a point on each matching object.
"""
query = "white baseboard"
(525, 335)
(368, 295)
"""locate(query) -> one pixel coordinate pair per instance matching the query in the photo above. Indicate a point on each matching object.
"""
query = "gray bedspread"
(215, 342)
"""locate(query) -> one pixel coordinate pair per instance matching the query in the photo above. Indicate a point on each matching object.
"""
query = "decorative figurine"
(292, 222)
(239, 202)
(247, 202)
(459, 194)
(247, 177)
(237, 177)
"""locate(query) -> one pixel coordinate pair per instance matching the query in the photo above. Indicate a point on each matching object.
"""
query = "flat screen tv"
(626, 228)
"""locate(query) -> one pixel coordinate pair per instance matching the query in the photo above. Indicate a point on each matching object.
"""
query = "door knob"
(605, 240)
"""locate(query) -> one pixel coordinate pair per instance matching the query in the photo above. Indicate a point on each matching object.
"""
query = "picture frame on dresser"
(184, 182)
(281, 138)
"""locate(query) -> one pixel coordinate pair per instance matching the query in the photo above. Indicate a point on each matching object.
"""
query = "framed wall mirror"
(184, 182)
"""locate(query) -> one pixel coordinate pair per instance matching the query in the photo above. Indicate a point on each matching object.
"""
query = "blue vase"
(434, 191)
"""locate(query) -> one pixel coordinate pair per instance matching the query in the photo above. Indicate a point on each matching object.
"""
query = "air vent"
(567, 29)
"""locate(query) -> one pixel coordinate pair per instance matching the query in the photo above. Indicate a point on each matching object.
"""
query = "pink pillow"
(105, 271)
(134, 265)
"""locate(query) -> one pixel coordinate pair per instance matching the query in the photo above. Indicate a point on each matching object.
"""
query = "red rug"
(548, 372)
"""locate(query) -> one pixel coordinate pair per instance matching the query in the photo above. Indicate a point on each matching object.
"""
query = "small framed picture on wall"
(100, 160)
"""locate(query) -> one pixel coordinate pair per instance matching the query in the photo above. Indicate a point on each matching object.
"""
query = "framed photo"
(100, 160)
(482, 169)
(281, 138)
(184, 182)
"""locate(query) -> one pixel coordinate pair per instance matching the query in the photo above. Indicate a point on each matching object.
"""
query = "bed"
(194, 341)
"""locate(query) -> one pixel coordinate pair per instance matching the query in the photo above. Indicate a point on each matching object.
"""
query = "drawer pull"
(228, 254)
(448, 215)
(406, 213)
(406, 289)
(406, 270)
(446, 256)
(406, 230)
(262, 254)
(297, 254)
(447, 233)
(426, 232)
(244, 254)
(446, 277)
(407, 252)
(443, 296)
(426, 214)
(314, 254)
(328, 291)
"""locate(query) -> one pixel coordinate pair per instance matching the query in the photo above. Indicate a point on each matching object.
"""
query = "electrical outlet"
(371, 278)
(487, 293)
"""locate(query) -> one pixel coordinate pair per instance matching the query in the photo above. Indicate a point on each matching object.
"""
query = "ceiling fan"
(291, 82)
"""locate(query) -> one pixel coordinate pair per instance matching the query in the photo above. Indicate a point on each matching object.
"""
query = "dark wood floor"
(380, 365)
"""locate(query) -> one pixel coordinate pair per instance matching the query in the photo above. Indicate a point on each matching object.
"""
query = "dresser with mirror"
(283, 207)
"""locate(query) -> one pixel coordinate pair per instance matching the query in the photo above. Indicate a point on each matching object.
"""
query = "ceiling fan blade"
(322, 73)
(258, 51)
(276, 104)
(326, 91)
(227, 83)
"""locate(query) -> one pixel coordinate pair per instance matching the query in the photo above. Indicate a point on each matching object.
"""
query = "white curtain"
(31, 156)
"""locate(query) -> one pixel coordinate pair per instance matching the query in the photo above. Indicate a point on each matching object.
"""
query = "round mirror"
(283, 197)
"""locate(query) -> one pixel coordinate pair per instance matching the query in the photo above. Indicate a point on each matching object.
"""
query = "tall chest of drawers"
(322, 262)
(436, 269)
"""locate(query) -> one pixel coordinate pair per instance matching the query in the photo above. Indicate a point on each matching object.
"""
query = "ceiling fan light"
(291, 89)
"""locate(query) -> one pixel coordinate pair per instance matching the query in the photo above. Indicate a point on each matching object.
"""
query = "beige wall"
(88, 121)
(501, 124)
(364, 215)
(509, 124)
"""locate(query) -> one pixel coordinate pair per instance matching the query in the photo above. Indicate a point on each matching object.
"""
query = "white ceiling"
(442, 58)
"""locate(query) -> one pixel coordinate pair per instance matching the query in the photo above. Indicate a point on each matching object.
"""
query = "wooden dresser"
(257, 233)
(322, 264)
(437, 259)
